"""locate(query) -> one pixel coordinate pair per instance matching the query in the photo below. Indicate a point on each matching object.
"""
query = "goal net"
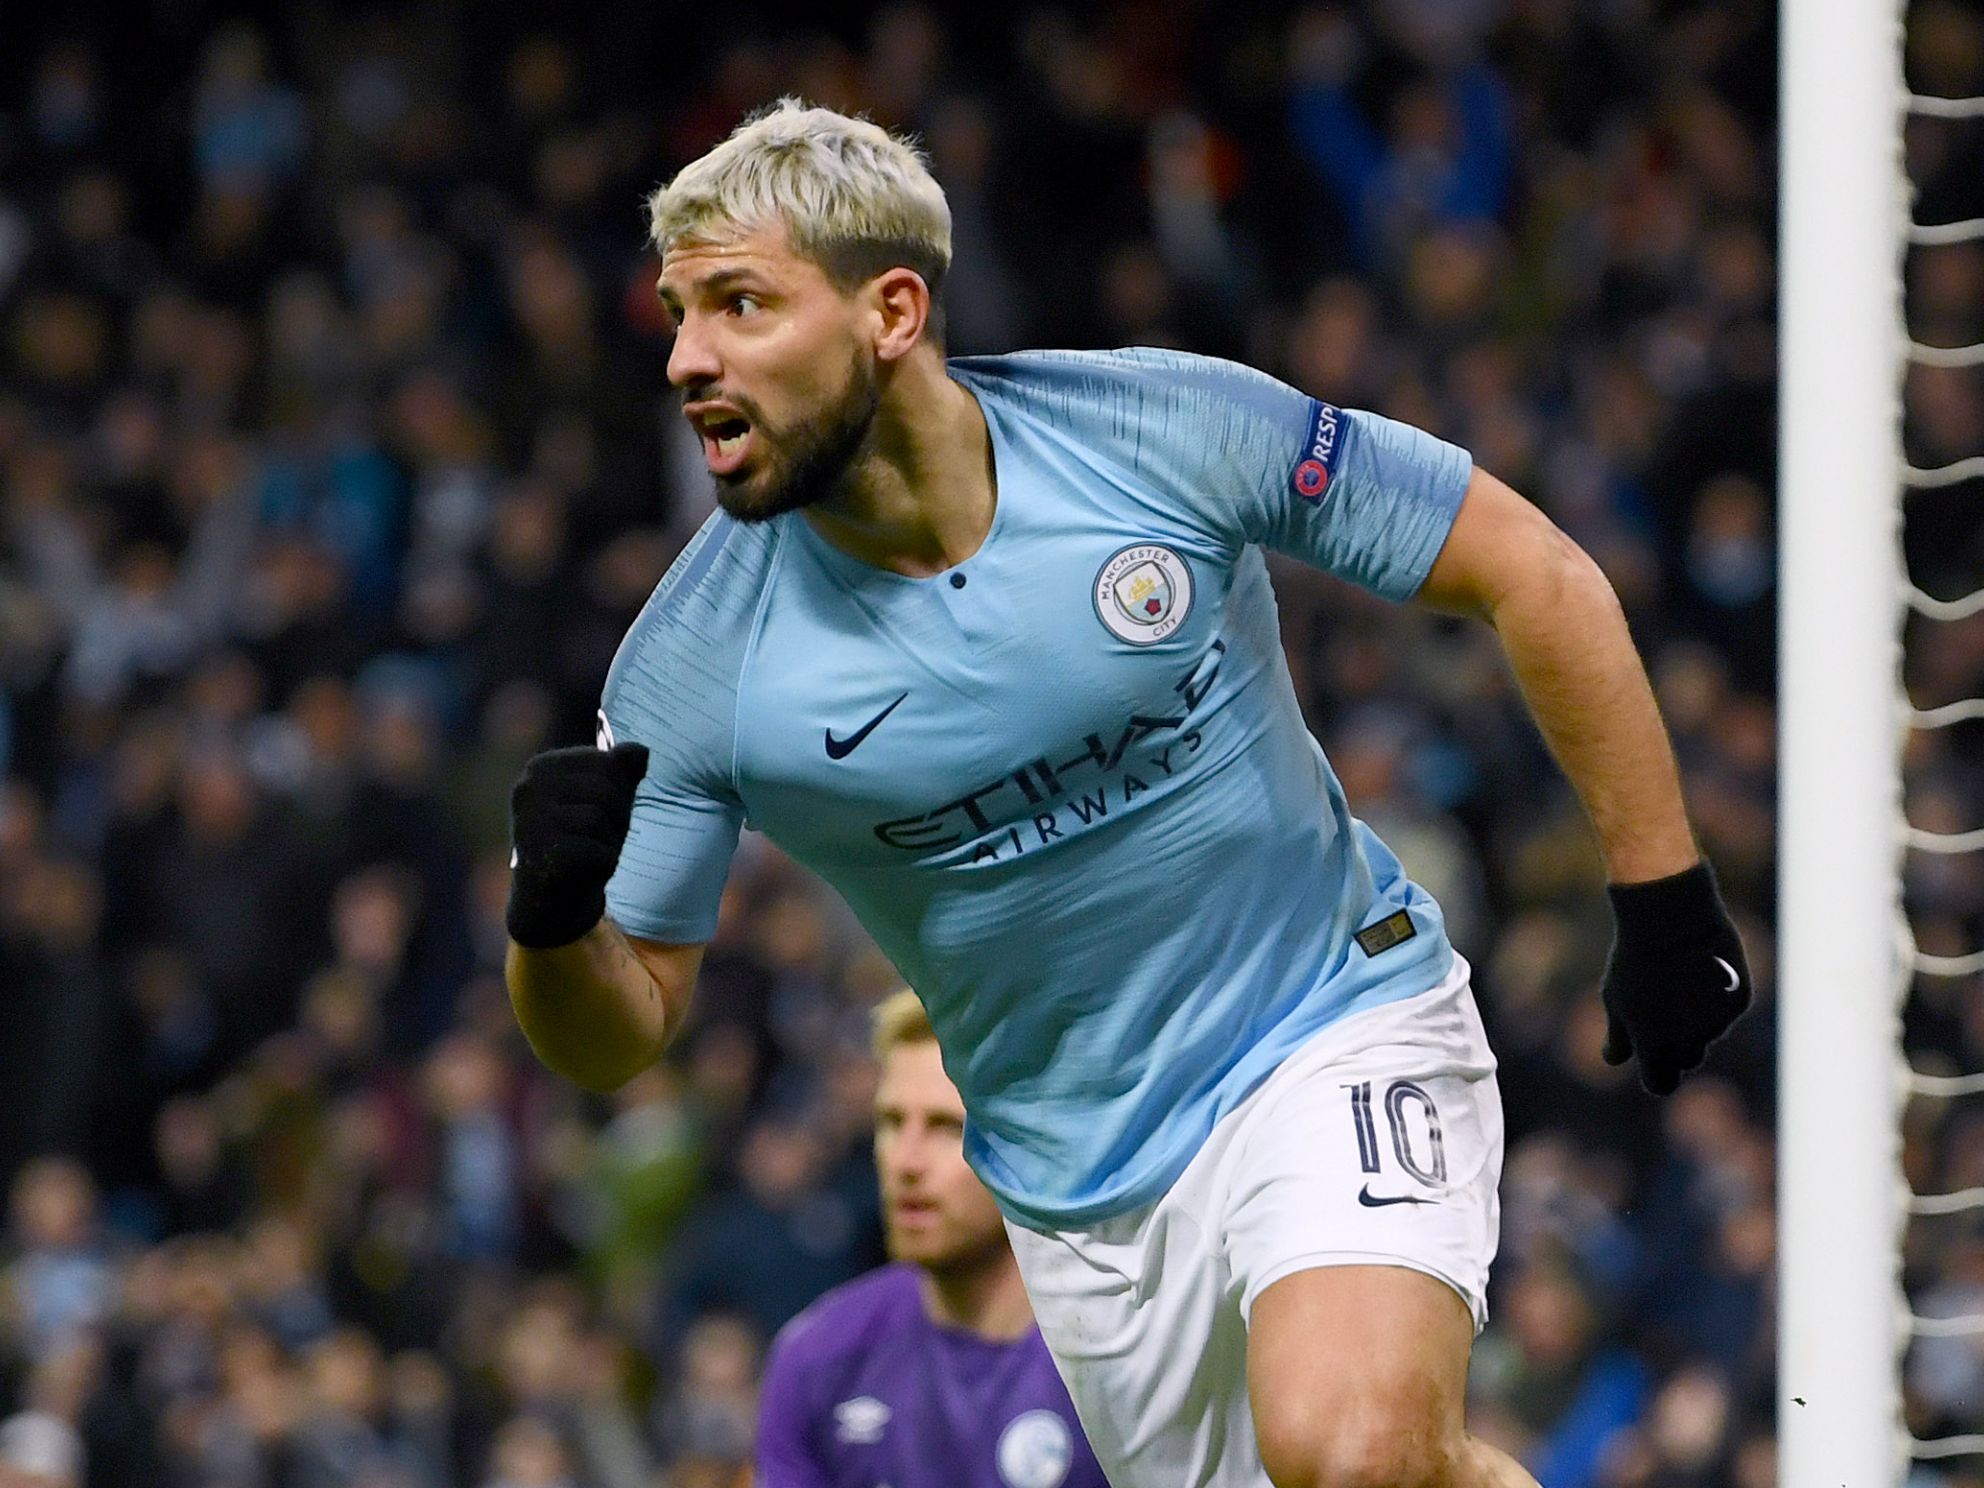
(1850, 612)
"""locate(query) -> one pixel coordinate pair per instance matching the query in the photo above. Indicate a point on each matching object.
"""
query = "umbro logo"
(842, 748)
(1377, 1201)
(859, 1422)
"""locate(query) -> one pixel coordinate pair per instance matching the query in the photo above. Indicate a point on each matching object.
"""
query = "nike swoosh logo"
(1373, 1201)
(842, 748)
(1734, 980)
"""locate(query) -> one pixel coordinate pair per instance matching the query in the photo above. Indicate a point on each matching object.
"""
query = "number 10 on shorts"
(1415, 1128)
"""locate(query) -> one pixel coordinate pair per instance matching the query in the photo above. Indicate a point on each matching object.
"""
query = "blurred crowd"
(336, 454)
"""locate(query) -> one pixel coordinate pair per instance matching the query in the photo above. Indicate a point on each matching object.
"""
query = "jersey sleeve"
(673, 687)
(1355, 494)
(1358, 495)
(784, 1457)
(1362, 496)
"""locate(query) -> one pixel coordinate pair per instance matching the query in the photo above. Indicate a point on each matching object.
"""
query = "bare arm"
(1566, 639)
(601, 1010)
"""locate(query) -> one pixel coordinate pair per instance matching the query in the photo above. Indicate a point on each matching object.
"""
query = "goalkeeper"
(989, 644)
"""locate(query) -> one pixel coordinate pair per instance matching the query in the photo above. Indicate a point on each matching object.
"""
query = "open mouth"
(726, 441)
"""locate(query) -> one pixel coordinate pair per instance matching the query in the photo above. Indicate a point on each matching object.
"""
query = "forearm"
(1567, 641)
(592, 1010)
(1677, 975)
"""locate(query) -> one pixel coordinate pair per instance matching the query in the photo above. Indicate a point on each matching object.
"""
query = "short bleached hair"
(900, 1019)
(853, 198)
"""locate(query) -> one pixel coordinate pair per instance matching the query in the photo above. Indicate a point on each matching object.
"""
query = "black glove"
(1677, 978)
(569, 812)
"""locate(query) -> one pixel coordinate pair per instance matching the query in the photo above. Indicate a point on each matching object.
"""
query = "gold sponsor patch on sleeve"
(1394, 929)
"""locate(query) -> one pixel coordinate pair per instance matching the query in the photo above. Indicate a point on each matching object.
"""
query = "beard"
(952, 1250)
(804, 463)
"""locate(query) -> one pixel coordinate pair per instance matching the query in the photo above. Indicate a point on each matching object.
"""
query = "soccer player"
(930, 1370)
(990, 645)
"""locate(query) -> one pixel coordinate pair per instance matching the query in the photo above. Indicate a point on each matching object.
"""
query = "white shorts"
(1379, 1142)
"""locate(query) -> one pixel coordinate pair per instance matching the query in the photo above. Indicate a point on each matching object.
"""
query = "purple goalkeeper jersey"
(863, 1390)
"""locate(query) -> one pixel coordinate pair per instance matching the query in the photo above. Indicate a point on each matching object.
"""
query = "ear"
(901, 302)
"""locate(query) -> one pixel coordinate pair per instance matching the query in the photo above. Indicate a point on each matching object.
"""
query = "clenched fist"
(569, 813)
(1677, 978)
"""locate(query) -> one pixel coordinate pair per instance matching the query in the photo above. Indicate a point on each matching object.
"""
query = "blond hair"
(852, 197)
(900, 1018)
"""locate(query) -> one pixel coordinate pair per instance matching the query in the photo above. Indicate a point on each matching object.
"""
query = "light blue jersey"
(1065, 785)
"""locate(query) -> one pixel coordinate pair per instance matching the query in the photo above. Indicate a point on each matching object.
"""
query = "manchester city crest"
(1143, 593)
(1035, 1450)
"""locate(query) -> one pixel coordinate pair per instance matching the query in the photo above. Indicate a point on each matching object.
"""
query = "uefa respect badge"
(1143, 593)
(1311, 477)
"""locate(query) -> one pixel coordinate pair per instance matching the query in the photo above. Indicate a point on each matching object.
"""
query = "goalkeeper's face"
(936, 1212)
(774, 375)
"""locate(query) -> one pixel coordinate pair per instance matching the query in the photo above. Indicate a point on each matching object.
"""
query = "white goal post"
(1841, 947)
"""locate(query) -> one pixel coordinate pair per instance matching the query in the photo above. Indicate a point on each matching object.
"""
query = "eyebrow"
(716, 283)
(904, 1108)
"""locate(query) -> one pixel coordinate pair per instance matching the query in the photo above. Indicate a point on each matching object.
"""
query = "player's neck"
(920, 497)
(988, 1298)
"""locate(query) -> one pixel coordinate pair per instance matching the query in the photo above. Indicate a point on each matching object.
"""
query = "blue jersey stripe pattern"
(1090, 826)
(673, 687)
